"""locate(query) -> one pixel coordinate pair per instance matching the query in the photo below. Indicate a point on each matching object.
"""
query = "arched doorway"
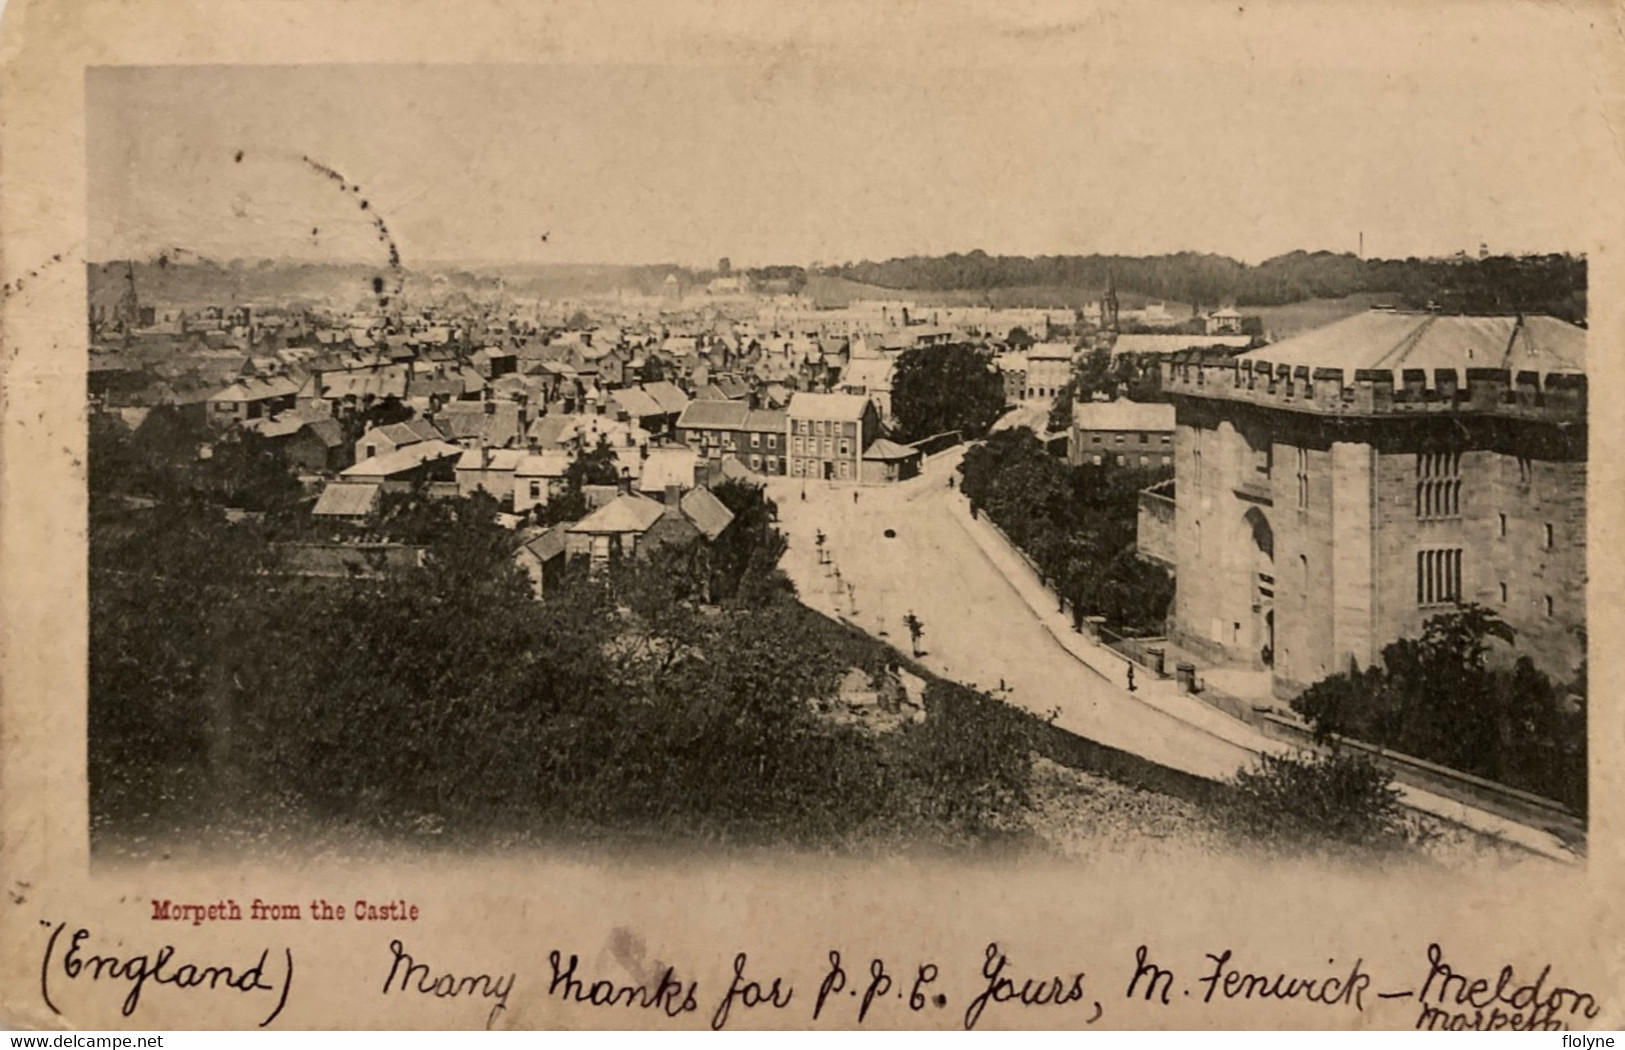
(1263, 584)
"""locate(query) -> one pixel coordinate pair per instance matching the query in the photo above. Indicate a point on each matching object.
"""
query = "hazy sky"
(1436, 145)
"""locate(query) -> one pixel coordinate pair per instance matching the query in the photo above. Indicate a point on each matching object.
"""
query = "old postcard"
(842, 515)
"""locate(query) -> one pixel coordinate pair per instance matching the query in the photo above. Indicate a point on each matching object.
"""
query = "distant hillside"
(194, 284)
(1554, 284)
(831, 291)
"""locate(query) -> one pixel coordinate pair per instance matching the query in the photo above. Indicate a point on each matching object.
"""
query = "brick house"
(828, 433)
(754, 436)
(1121, 433)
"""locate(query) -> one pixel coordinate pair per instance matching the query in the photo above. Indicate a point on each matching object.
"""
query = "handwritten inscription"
(406, 974)
(1448, 999)
(669, 995)
(1447, 996)
(79, 962)
(1458, 1002)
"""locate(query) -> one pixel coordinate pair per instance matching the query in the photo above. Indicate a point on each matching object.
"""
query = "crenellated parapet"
(1552, 396)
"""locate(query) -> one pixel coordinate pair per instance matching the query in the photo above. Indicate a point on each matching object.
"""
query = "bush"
(1437, 698)
(1339, 797)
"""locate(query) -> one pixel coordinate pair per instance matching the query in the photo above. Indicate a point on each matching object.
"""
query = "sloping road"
(978, 628)
(988, 625)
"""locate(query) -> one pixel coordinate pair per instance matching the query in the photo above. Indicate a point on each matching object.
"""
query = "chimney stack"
(674, 493)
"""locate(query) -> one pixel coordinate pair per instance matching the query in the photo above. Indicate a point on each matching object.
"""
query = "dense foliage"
(1339, 797)
(1077, 523)
(681, 696)
(1438, 697)
(1554, 284)
(939, 389)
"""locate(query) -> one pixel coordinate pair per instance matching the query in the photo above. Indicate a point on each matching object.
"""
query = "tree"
(1439, 698)
(1060, 412)
(749, 548)
(594, 466)
(938, 389)
(1093, 374)
(1018, 338)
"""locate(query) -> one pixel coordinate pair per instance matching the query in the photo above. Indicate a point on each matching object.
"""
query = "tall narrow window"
(1438, 576)
(1503, 524)
(1548, 605)
(1503, 592)
(1303, 478)
(1548, 536)
(1438, 485)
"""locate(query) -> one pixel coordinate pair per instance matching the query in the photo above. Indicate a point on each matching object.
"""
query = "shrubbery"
(1437, 698)
(1308, 798)
(672, 697)
(1078, 524)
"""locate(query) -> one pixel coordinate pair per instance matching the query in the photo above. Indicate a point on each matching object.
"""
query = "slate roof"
(669, 396)
(668, 466)
(408, 433)
(551, 464)
(328, 431)
(638, 404)
(469, 420)
(872, 372)
(887, 451)
(257, 390)
(709, 514)
(501, 459)
(547, 546)
(727, 415)
(1123, 414)
(402, 460)
(827, 406)
(623, 514)
(346, 500)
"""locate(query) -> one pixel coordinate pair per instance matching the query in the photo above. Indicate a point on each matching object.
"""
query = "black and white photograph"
(488, 457)
(1035, 516)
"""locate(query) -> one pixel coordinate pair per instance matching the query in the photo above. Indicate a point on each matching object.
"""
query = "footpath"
(1166, 696)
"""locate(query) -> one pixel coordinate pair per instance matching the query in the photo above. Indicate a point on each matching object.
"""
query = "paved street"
(987, 620)
(978, 628)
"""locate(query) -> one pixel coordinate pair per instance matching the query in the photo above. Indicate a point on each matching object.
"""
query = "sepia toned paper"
(634, 134)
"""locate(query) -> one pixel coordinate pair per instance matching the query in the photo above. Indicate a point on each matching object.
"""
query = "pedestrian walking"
(1131, 678)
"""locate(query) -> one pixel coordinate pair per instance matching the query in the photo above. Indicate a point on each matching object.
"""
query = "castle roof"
(1380, 339)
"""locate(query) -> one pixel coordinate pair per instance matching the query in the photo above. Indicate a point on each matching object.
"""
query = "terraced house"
(754, 436)
(828, 434)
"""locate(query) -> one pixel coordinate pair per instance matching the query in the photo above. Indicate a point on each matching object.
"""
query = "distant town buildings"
(1049, 368)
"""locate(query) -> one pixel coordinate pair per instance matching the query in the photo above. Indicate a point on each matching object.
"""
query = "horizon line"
(737, 267)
